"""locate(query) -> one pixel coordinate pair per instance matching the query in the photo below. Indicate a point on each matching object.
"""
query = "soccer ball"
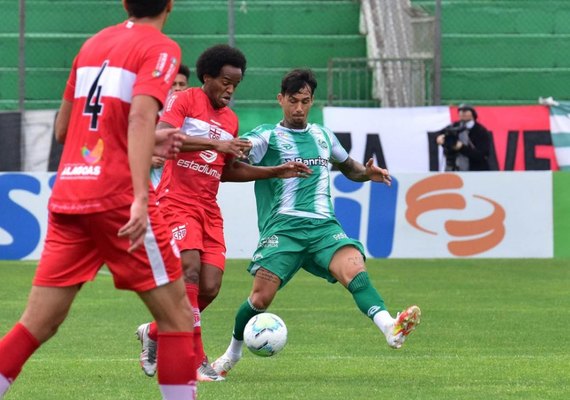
(265, 335)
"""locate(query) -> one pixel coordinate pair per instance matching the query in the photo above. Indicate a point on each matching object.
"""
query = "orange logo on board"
(440, 192)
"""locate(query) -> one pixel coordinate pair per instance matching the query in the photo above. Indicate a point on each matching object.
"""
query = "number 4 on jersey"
(92, 105)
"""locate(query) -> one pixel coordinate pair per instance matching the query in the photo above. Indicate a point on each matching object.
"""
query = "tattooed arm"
(355, 171)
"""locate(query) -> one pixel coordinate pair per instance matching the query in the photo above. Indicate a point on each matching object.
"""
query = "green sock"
(365, 295)
(245, 312)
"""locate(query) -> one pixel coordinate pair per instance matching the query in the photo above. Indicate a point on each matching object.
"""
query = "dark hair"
(184, 70)
(145, 8)
(212, 60)
(297, 79)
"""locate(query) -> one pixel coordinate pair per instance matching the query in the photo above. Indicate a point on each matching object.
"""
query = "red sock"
(153, 331)
(175, 364)
(16, 347)
(192, 293)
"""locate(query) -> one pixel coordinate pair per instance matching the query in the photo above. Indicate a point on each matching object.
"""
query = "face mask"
(470, 124)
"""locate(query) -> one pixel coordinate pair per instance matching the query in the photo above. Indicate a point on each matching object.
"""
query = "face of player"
(296, 108)
(221, 89)
(180, 83)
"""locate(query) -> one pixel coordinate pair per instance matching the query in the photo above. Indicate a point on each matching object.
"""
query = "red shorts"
(197, 228)
(77, 245)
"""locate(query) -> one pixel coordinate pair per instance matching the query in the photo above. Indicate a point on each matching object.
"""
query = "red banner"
(521, 137)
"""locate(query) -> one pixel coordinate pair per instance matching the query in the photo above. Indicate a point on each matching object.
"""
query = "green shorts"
(290, 243)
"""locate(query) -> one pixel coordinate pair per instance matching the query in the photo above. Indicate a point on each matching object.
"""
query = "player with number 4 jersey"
(101, 210)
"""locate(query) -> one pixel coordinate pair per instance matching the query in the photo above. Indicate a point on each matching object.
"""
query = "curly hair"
(297, 79)
(212, 60)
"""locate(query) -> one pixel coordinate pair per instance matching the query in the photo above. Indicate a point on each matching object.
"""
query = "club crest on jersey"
(322, 143)
(215, 132)
(209, 156)
(271, 241)
(179, 232)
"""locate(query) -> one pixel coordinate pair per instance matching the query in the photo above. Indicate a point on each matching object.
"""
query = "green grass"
(490, 329)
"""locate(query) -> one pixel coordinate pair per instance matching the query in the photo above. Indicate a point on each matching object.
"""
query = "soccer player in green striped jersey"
(297, 225)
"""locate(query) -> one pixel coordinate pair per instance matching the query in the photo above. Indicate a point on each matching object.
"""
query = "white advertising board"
(429, 215)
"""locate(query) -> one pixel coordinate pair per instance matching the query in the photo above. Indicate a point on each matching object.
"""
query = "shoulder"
(264, 129)
(317, 128)
(480, 128)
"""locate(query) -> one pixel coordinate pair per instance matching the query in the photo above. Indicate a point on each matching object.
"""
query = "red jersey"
(112, 67)
(194, 177)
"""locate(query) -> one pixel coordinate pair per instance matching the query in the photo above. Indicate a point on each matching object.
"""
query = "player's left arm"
(237, 171)
(141, 142)
(355, 171)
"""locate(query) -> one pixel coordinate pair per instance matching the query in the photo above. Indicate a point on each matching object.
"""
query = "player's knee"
(261, 300)
(191, 276)
(209, 290)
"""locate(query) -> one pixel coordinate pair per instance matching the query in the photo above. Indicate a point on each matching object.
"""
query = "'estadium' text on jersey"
(194, 177)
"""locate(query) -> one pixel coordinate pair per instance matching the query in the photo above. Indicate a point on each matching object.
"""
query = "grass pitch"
(490, 329)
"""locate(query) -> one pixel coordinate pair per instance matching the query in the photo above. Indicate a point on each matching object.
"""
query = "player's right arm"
(62, 120)
(64, 114)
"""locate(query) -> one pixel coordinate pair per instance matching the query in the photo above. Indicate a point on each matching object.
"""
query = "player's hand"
(293, 169)
(377, 174)
(238, 148)
(168, 142)
(158, 162)
(135, 229)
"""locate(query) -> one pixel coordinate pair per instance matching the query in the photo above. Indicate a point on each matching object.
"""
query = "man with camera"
(466, 143)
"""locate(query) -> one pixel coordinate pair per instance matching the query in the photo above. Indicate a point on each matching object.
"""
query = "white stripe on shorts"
(155, 257)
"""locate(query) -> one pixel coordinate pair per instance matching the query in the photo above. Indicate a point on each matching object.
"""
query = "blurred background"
(366, 53)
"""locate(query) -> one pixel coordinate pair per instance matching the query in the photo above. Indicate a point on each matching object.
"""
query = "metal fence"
(492, 52)
(356, 82)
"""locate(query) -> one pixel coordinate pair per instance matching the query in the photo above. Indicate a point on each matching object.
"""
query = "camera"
(451, 136)
(450, 139)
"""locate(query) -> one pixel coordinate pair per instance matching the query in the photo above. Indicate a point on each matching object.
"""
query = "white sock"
(234, 349)
(178, 392)
(4, 385)
(384, 321)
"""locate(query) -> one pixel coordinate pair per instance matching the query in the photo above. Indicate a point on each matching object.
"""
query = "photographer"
(466, 143)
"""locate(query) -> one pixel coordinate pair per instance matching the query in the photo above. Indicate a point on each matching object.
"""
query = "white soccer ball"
(265, 334)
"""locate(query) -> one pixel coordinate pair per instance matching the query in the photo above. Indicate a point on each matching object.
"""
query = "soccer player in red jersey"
(101, 210)
(189, 186)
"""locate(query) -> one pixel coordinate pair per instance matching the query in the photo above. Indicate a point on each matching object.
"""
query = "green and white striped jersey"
(316, 147)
